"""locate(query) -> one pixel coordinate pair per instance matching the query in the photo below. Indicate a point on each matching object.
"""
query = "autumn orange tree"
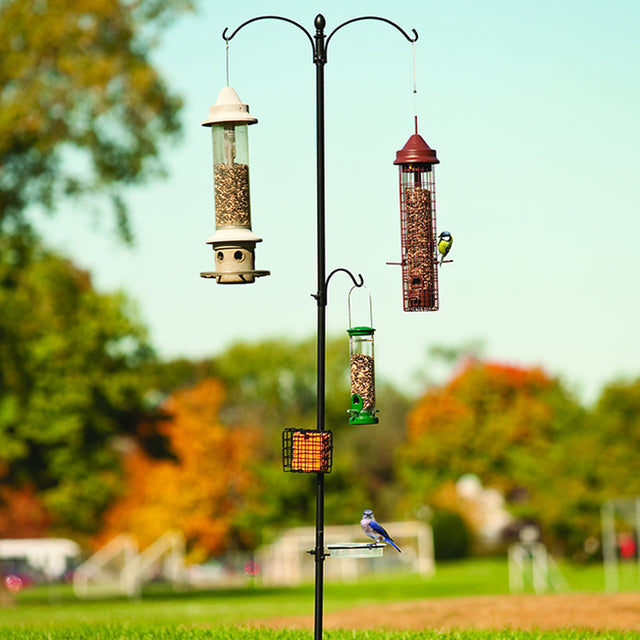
(203, 491)
(513, 427)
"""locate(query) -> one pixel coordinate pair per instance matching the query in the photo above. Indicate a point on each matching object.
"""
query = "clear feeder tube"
(231, 175)
(362, 373)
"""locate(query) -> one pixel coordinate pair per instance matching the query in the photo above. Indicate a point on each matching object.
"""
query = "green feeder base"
(360, 415)
(363, 418)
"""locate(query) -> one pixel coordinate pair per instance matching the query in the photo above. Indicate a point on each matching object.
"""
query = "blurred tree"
(22, 514)
(607, 454)
(451, 535)
(512, 427)
(615, 421)
(364, 470)
(272, 385)
(82, 109)
(69, 383)
(203, 491)
(268, 385)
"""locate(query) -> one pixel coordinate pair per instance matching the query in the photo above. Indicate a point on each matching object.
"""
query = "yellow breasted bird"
(445, 241)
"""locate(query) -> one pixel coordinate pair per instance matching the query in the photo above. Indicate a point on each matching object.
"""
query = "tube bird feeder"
(233, 242)
(416, 162)
(362, 371)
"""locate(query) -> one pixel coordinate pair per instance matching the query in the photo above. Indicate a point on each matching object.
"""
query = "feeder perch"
(307, 451)
(416, 162)
(362, 371)
(233, 242)
(356, 549)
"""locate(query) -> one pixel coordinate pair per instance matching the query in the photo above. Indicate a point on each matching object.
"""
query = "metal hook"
(322, 296)
(355, 282)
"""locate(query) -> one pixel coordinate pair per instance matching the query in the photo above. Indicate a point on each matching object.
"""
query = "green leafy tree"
(615, 421)
(69, 383)
(82, 108)
(272, 384)
(515, 428)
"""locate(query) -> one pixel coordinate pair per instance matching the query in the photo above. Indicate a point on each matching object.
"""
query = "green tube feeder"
(362, 374)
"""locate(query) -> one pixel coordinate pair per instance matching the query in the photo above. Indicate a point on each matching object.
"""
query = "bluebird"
(445, 241)
(374, 530)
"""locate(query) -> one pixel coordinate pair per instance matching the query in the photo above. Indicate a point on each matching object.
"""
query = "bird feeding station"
(233, 242)
(303, 450)
(362, 371)
(416, 162)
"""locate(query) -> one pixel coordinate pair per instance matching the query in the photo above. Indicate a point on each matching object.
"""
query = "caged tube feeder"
(416, 162)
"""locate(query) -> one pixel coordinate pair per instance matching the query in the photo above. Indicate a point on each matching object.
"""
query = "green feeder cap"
(360, 331)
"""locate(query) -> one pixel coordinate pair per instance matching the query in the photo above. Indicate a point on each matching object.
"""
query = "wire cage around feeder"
(362, 370)
(307, 451)
(418, 224)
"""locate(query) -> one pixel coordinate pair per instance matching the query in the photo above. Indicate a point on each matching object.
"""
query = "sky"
(534, 110)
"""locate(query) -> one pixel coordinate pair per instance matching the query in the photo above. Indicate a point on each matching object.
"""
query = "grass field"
(147, 633)
(55, 614)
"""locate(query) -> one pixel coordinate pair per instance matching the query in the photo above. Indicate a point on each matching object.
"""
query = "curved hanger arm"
(244, 24)
(393, 24)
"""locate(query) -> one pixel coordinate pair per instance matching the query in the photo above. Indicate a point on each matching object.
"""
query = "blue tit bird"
(445, 241)
(374, 530)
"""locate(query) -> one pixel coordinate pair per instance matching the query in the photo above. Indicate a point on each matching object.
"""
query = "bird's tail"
(392, 543)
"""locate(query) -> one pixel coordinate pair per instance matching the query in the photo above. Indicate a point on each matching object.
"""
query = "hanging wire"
(415, 90)
(227, 61)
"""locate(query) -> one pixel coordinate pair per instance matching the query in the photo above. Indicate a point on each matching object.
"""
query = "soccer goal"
(620, 518)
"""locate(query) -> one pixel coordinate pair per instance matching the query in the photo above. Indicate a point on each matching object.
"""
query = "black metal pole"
(320, 60)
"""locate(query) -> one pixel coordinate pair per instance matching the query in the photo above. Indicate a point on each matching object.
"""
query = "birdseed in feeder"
(231, 183)
(362, 379)
(419, 246)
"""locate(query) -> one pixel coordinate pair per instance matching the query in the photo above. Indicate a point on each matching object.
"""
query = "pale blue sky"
(534, 110)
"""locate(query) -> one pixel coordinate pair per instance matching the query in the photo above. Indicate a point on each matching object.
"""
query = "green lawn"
(54, 613)
(182, 633)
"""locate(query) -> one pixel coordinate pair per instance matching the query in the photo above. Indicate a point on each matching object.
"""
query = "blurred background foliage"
(98, 435)
(83, 111)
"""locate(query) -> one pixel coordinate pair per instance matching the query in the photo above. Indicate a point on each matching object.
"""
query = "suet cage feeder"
(362, 371)
(307, 451)
(416, 162)
(233, 242)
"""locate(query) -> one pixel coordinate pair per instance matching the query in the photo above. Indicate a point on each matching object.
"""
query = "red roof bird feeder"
(416, 161)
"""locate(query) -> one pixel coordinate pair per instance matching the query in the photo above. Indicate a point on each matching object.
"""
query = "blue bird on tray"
(374, 530)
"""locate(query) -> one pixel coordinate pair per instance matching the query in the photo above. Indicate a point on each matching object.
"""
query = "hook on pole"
(322, 296)
(356, 283)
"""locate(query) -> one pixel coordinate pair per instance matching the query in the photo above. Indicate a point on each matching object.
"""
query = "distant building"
(52, 557)
(484, 508)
